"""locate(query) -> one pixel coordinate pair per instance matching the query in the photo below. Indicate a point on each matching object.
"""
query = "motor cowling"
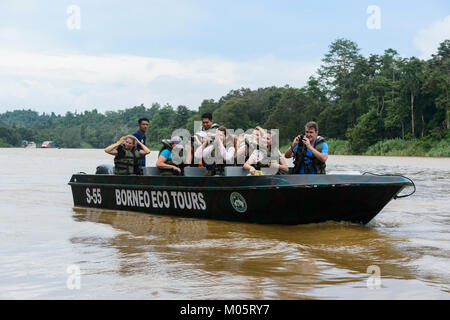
(105, 169)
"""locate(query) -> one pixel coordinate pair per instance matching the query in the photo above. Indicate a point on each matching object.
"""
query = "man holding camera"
(310, 151)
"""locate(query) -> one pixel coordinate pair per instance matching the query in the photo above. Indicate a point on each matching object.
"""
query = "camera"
(300, 141)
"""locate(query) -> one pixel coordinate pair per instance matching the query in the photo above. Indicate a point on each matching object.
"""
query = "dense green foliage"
(381, 104)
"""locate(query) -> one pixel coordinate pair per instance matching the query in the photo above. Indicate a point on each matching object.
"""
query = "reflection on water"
(255, 261)
(127, 255)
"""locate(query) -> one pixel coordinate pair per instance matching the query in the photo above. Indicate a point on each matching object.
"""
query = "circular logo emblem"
(238, 202)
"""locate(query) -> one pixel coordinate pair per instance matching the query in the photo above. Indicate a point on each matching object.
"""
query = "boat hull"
(283, 199)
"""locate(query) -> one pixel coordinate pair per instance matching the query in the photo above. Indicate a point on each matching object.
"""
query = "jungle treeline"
(380, 104)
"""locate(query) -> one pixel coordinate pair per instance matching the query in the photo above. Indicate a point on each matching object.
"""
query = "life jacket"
(216, 168)
(264, 162)
(301, 157)
(126, 161)
(168, 172)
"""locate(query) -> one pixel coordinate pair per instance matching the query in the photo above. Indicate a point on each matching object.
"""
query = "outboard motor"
(105, 169)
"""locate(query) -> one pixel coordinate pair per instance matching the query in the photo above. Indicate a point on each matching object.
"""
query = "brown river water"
(51, 250)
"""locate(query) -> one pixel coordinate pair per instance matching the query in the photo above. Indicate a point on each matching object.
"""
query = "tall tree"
(412, 79)
(337, 66)
(437, 81)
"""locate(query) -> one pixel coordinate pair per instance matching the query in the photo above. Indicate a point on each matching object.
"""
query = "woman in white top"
(247, 143)
(265, 157)
(216, 153)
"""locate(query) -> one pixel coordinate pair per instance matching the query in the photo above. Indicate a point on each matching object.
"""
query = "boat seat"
(268, 171)
(194, 171)
(150, 171)
(235, 171)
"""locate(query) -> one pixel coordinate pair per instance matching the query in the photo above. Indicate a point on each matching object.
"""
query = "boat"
(48, 144)
(266, 199)
(28, 144)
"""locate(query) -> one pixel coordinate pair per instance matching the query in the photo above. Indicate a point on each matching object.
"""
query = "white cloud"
(427, 40)
(81, 82)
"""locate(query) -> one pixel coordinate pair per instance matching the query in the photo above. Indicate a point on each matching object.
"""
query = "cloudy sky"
(79, 55)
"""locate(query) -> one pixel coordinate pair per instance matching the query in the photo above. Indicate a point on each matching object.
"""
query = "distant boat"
(48, 144)
(28, 144)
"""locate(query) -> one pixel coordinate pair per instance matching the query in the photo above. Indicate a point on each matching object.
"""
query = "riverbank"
(424, 147)
(392, 147)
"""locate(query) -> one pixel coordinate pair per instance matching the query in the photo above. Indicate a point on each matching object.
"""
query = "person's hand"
(121, 140)
(252, 170)
(177, 169)
(296, 141)
(197, 141)
(137, 140)
(307, 142)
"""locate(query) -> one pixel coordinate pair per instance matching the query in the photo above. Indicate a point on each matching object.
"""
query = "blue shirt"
(141, 138)
(309, 154)
(167, 154)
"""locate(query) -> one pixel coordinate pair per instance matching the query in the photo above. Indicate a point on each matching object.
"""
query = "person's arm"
(189, 155)
(248, 165)
(283, 165)
(199, 153)
(111, 149)
(207, 157)
(279, 165)
(241, 153)
(290, 152)
(197, 141)
(227, 155)
(161, 164)
(321, 156)
(144, 150)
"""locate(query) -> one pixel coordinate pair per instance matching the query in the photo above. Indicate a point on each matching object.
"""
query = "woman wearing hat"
(164, 162)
